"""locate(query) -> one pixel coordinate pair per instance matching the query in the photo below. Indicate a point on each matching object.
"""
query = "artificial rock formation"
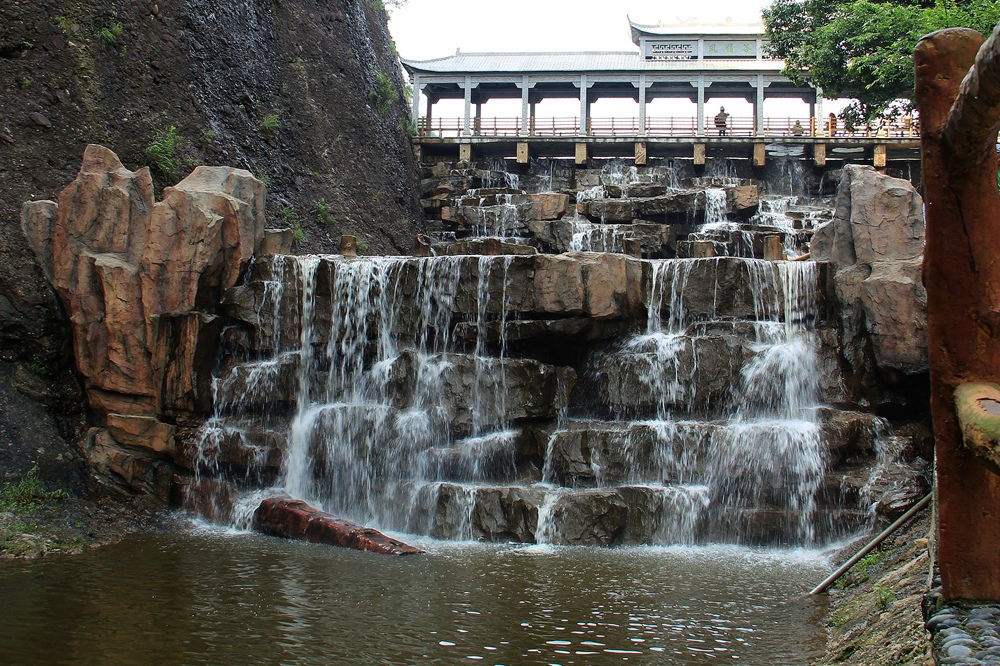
(140, 282)
(958, 95)
(875, 246)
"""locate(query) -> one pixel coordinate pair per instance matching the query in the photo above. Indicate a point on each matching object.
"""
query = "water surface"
(204, 597)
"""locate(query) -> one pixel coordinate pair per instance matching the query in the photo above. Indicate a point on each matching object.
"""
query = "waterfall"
(524, 397)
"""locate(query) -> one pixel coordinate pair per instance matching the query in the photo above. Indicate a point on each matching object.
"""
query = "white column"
(701, 105)
(642, 105)
(818, 112)
(583, 104)
(415, 113)
(525, 107)
(758, 108)
(467, 126)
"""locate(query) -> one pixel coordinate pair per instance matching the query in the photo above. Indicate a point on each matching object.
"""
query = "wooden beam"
(699, 154)
(879, 159)
(819, 154)
(640, 153)
(522, 152)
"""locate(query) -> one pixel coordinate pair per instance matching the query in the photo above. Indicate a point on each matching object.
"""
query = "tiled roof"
(613, 61)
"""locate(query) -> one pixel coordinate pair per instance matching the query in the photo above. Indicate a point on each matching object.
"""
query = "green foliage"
(108, 33)
(298, 234)
(26, 82)
(288, 214)
(884, 597)
(65, 24)
(208, 136)
(323, 212)
(27, 494)
(262, 178)
(860, 572)
(163, 152)
(385, 94)
(864, 48)
(361, 245)
(270, 122)
(37, 368)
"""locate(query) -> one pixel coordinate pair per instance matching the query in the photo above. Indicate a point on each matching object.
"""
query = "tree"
(864, 48)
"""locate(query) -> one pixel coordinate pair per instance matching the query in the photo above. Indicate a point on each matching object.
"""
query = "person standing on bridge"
(721, 119)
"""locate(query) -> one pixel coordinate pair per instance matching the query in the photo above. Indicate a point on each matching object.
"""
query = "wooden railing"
(736, 126)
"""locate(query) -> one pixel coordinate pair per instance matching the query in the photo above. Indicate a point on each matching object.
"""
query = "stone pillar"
(464, 152)
(478, 125)
(642, 105)
(701, 105)
(466, 126)
(584, 105)
(961, 274)
(525, 91)
(581, 154)
(759, 154)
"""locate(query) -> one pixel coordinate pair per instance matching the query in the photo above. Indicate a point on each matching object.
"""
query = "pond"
(209, 596)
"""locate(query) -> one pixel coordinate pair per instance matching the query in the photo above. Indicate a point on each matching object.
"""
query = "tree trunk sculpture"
(958, 95)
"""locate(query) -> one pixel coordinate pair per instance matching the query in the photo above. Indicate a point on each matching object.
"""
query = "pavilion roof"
(593, 61)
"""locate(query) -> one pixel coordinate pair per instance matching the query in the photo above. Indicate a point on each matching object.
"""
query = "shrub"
(323, 212)
(298, 234)
(26, 494)
(163, 153)
(270, 122)
(108, 33)
(385, 94)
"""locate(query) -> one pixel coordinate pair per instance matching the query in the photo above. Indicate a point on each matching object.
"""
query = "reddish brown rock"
(121, 264)
(550, 206)
(142, 432)
(604, 286)
(294, 519)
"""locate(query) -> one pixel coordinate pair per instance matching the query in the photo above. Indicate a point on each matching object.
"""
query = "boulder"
(895, 305)
(294, 519)
(600, 285)
(142, 432)
(550, 206)
(875, 244)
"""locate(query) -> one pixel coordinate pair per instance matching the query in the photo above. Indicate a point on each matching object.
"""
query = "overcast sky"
(426, 29)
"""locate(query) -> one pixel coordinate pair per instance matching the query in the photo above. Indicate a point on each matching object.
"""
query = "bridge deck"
(666, 137)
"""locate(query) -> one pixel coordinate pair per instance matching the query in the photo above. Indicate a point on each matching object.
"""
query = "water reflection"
(208, 598)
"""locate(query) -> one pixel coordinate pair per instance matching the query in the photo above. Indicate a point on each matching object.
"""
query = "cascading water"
(716, 454)
(386, 390)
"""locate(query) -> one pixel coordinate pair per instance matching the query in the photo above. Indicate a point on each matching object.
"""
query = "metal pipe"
(832, 578)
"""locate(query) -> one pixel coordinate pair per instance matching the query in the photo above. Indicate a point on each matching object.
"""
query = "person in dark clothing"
(721, 119)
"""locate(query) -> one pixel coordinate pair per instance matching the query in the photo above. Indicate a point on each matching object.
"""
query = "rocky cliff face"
(303, 94)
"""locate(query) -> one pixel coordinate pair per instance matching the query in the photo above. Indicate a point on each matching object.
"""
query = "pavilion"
(694, 62)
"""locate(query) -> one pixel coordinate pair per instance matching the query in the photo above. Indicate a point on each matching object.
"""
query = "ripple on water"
(202, 597)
